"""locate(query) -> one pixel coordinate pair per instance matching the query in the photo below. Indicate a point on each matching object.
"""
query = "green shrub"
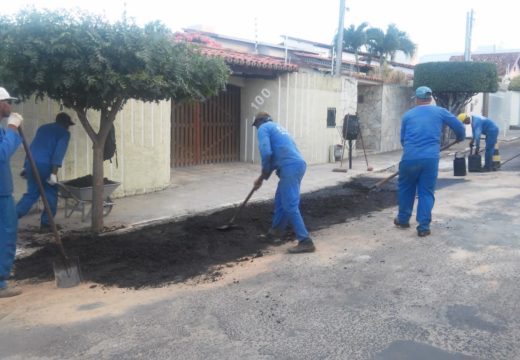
(514, 85)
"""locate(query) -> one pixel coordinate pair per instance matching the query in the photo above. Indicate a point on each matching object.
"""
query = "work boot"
(400, 225)
(271, 237)
(303, 247)
(9, 292)
(423, 233)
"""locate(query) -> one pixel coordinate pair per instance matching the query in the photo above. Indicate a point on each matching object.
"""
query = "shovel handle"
(42, 192)
(242, 205)
(385, 180)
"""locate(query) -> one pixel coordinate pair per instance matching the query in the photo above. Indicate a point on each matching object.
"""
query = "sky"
(437, 27)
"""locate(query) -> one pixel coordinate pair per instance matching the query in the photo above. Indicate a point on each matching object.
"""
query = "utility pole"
(469, 29)
(339, 40)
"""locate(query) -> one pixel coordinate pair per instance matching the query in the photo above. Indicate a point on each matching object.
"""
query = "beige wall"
(143, 146)
(299, 102)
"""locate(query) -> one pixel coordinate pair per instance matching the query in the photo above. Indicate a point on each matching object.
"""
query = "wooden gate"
(207, 132)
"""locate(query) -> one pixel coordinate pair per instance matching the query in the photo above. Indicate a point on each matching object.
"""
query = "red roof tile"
(251, 60)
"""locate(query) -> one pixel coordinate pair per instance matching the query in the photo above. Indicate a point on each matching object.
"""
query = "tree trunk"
(97, 188)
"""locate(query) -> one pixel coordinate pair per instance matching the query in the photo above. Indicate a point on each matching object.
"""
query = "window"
(331, 117)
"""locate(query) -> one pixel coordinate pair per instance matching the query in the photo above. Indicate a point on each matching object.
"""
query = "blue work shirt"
(421, 129)
(9, 142)
(482, 125)
(50, 144)
(277, 148)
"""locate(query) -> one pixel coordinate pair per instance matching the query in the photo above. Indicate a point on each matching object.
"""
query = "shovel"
(359, 186)
(231, 224)
(67, 272)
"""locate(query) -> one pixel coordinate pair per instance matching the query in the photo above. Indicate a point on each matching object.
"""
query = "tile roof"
(233, 57)
(210, 47)
(504, 61)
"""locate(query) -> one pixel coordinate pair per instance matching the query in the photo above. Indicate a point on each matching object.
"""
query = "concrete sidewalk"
(206, 188)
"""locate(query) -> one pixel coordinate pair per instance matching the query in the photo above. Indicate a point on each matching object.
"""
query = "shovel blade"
(227, 227)
(67, 272)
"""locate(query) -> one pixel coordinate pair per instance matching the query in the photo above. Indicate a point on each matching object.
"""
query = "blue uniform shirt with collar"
(277, 148)
(482, 125)
(421, 129)
(9, 142)
(49, 145)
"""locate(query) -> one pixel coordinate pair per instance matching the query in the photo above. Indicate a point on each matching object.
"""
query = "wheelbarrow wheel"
(108, 204)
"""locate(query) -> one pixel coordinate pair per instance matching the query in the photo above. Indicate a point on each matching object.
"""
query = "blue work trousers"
(8, 232)
(287, 201)
(491, 140)
(417, 177)
(31, 196)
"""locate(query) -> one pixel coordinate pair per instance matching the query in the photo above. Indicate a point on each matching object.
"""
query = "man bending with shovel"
(280, 154)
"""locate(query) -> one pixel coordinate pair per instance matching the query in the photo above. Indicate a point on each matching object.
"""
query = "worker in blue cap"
(48, 148)
(421, 129)
(280, 154)
(482, 125)
(9, 142)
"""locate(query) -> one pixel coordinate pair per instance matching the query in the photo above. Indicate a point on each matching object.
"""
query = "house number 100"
(259, 99)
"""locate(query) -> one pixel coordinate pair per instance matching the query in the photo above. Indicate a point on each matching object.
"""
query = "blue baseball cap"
(423, 92)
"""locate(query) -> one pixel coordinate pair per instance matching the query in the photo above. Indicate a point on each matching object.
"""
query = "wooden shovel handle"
(385, 180)
(42, 192)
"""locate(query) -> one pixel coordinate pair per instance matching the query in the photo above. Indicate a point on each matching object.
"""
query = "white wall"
(298, 102)
(143, 145)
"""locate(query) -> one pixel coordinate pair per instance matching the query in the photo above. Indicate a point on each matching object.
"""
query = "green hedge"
(457, 76)
(514, 85)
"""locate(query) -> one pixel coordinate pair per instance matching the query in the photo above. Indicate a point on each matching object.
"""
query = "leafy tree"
(514, 85)
(454, 83)
(87, 63)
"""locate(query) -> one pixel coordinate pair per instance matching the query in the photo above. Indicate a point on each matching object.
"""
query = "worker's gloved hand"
(15, 120)
(53, 179)
(477, 149)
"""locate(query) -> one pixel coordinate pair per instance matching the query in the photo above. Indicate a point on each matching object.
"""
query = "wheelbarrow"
(77, 199)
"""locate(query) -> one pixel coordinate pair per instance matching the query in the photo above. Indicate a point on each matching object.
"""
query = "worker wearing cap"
(280, 154)
(479, 126)
(48, 149)
(421, 129)
(9, 142)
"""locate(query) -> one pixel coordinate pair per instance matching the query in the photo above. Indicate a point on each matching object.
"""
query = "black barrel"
(474, 163)
(459, 166)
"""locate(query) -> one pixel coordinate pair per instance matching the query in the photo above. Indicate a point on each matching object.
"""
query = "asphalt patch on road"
(191, 250)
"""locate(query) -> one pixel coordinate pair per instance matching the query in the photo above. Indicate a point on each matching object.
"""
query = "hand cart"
(78, 198)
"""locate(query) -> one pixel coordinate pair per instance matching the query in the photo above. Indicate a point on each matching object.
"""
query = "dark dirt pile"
(85, 181)
(191, 249)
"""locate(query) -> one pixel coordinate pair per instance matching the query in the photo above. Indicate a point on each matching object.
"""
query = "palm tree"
(383, 45)
(355, 38)
(375, 44)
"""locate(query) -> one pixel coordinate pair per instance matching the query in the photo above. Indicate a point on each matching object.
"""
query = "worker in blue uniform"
(479, 126)
(9, 142)
(421, 129)
(48, 149)
(280, 154)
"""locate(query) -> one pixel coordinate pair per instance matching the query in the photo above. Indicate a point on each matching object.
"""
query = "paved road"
(370, 292)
